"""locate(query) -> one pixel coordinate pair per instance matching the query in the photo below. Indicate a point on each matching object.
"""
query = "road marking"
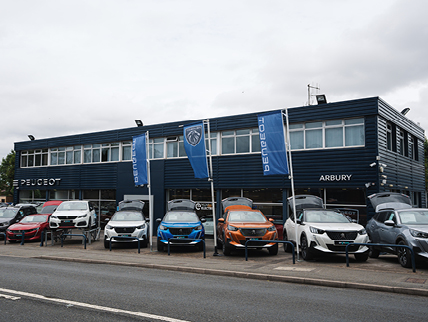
(9, 297)
(297, 269)
(91, 306)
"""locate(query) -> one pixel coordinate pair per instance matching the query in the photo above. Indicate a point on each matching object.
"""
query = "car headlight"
(362, 232)
(198, 227)
(418, 234)
(162, 227)
(109, 227)
(271, 228)
(231, 228)
(54, 217)
(316, 230)
(141, 226)
(82, 216)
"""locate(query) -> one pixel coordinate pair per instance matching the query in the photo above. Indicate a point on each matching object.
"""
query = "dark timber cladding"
(322, 168)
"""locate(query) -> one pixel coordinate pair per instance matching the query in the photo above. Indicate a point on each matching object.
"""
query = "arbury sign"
(335, 177)
(37, 182)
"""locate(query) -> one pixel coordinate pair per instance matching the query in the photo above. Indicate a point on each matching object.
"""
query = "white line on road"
(9, 297)
(91, 306)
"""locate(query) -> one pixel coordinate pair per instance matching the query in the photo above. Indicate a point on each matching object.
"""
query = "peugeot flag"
(194, 144)
(272, 143)
(139, 159)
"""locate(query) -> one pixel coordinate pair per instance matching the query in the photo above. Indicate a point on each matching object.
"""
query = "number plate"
(339, 242)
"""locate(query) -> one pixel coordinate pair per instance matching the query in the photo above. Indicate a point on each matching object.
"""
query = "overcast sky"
(69, 67)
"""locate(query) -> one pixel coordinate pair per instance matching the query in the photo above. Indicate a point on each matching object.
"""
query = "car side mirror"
(146, 218)
(271, 220)
(203, 220)
(299, 221)
(159, 220)
(107, 219)
(389, 223)
(221, 220)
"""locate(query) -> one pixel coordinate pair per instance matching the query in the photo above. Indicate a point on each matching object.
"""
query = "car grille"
(251, 232)
(67, 217)
(123, 230)
(340, 235)
(342, 248)
(66, 224)
(180, 231)
(22, 231)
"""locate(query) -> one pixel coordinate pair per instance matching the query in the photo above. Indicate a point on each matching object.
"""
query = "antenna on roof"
(309, 92)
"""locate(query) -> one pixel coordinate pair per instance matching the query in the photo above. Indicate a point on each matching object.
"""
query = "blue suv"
(180, 222)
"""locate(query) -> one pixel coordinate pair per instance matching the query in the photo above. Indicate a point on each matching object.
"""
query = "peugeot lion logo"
(194, 135)
(342, 235)
(253, 232)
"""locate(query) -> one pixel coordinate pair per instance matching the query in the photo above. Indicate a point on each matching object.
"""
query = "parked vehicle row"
(317, 231)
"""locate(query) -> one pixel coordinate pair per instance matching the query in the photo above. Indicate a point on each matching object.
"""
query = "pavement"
(383, 274)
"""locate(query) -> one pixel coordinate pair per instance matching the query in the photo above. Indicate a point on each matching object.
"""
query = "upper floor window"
(400, 142)
(34, 158)
(389, 136)
(240, 141)
(327, 134)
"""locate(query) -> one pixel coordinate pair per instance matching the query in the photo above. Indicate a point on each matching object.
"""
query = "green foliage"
(7, 173)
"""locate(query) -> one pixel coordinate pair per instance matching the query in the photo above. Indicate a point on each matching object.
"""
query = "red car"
(31, 226)
(50, 206)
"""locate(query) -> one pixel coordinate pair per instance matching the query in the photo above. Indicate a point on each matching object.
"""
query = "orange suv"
(240, 223)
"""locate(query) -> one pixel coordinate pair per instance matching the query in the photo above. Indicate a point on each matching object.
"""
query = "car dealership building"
(341, 152)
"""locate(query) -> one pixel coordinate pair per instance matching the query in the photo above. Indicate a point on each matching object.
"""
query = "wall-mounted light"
(139, 122)
(405, 111)
(321, 99)
(31, 137)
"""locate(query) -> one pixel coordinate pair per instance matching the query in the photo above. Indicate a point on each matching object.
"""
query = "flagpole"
(291, 177)
(150, 193)
(211, 179)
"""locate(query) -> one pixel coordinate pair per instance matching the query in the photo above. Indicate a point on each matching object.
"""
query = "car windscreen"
(48, 209)
(127, 216)
(69, 206)
(246, 216)
(324, 217)
(8, 213)
(178, 216)
(413, 217)
(34, 219)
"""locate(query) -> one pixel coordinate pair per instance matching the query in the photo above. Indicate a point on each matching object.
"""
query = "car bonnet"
(390, 200)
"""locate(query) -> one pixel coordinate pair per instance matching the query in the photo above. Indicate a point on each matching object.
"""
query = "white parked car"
(321, 231)
(73, 214)
(126, 224)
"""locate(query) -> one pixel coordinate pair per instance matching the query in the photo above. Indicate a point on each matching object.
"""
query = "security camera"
(383, 165)
(372, 164)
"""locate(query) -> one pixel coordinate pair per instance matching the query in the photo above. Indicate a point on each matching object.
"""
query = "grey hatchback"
(397, 223)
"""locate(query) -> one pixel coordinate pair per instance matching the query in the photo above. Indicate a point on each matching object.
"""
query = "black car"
(13, 214)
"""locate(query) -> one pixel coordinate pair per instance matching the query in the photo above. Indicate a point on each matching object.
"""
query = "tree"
(7, 173)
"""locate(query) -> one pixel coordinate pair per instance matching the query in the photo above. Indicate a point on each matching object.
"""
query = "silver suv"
(397, 223)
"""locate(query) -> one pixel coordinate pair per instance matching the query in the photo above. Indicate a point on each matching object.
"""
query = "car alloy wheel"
(225, 247)
(404, 255)
(287, 246)
(306, 251)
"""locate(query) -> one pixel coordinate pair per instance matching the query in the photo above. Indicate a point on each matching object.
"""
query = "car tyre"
(225, 247)
(361, 257)
(106, 243)
(287, 246)
(144, 243)
(374, 253)
(404, 255)
(159, 245)
(273, 250)
(305, 249)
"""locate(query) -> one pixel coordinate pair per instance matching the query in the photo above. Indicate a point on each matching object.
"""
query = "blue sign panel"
(139, 159)
(194, 144)
(272, 143)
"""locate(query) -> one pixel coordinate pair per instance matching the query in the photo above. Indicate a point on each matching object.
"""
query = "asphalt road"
(75, 291)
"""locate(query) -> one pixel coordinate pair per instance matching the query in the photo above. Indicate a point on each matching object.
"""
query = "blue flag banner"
(139, 159)
(194, 144)
(272, 143)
